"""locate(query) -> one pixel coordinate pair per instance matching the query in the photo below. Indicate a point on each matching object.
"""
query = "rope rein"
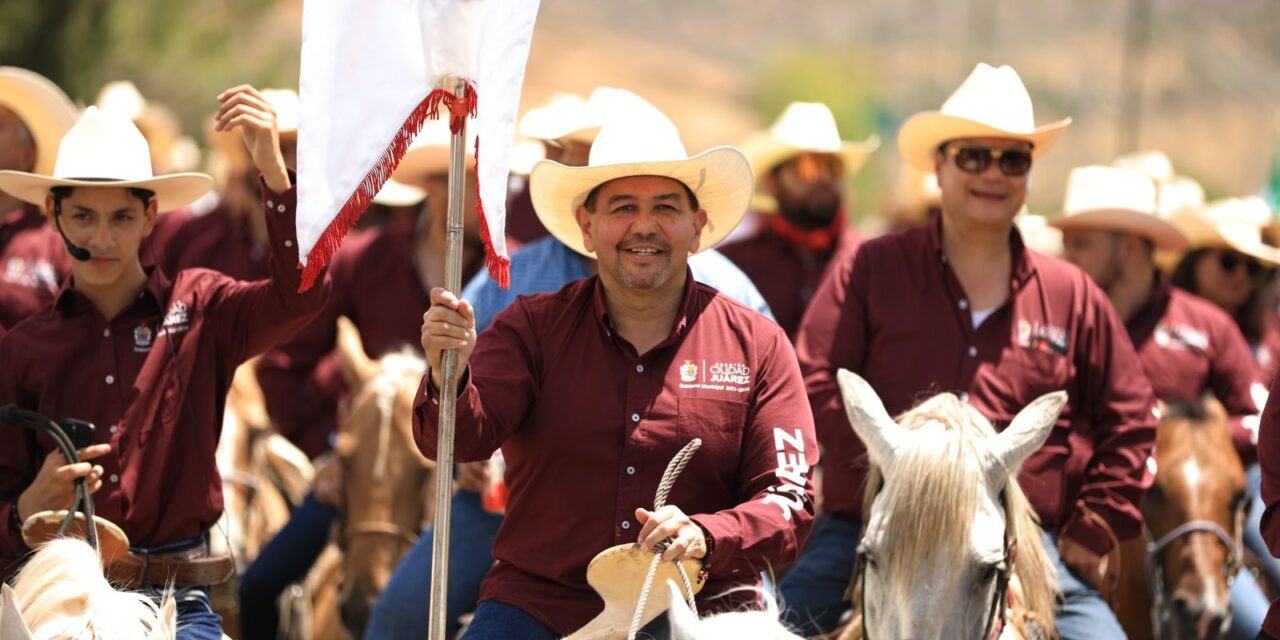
(669, 476)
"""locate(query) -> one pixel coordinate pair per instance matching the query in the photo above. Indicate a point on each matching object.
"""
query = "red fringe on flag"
(499, 267)
(349, 214)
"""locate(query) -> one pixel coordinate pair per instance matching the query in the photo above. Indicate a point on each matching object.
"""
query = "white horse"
(937, 557)
(61, 594)
(760, 624)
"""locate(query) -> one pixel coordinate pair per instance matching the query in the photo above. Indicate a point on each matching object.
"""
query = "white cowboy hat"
(565, 115)
(992, 103)
(1038, 232)
(1231, 223)
(396, 194)
(1154, 164)
(285, 103)
(429, 154)
(104, 150)
(806, 127)
(1174, 193)
(42, 107)
(1116, 199)
(647, 144)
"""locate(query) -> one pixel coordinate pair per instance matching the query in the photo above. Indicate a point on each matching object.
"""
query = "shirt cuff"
(433, 394)
(722, 540)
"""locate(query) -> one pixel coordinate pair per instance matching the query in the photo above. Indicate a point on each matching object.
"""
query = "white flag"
(370, 75)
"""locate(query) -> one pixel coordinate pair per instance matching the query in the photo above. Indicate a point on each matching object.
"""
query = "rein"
(1155, 571)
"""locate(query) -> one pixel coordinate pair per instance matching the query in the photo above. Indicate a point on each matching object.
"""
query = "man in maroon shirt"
(961, 305)
(96, 353)
(591, 390)
(34, 115)
(801, 165)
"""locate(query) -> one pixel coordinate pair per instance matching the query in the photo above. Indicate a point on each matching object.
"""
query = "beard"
(644, 278)
(814, 209)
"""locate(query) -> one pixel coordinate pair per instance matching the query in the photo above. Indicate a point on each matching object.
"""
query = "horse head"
(386, 483)
(945, 516)
(1194, 515)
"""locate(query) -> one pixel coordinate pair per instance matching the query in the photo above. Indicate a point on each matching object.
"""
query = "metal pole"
(448, 369)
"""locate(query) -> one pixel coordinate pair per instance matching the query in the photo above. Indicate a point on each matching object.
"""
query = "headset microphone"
(79, 253)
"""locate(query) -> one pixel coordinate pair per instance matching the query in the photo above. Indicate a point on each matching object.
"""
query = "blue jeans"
(1253, 527)
(813, 590)
(1081, 612)
(284, 561)
(1248, 607)
(196, 619)
(500, 621)
(403, 609)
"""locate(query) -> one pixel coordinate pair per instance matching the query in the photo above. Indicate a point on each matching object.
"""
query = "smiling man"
(591, 390)
(961, 305)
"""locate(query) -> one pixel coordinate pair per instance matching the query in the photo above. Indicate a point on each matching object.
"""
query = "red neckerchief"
(819, 240)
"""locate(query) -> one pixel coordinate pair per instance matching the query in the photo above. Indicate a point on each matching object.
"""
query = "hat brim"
(45, 110)
(922, 133)
(1204, 234)
(720, 177)
(766, 153)
(1163, 235)
(172, 191)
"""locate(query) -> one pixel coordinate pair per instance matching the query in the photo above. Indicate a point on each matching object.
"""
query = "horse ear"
(11, 622)
(684, 623)
(1024, 435)
(357, 368)
(870, 421)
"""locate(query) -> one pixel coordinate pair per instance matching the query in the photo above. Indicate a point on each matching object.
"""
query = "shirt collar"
(1023, 266)
(156, 289)
(682, 315)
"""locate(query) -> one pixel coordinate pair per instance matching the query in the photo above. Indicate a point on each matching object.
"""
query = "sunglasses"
(1230, 261)
(811, 167)
(1014, 163)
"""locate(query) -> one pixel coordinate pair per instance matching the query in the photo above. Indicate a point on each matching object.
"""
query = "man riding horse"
(591, 390)
(961, 305)
(146, 356)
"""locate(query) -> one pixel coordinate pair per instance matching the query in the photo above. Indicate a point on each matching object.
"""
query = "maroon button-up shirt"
(377, 286)
(213, 240)
(897, 315)
(158, 403)
(1188, 346)
(33, 263)
(587, 427)
(786, 277)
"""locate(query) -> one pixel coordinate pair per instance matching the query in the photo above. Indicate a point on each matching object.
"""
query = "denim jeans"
(1081, 612)
(402, 611)
(813, 590)
(285, 560)
(196, 619)
(500, 621)
(1248, 607)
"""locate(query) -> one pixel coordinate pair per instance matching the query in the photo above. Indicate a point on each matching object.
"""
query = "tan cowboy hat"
(46, 111)
(991, 103)
(42, 527)
(1231, 223)
(565, 115)
(285, 103)
(396, 194)
(429, 154)
(1116, 199)
(646, 144)
(806, 127)
(105, 150)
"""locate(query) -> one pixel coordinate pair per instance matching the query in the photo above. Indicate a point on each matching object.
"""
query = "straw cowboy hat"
(991, 103)
(46, 111)
(429, 154)
(806, 127)
(1116, 199)
(105, 150)
(645, 144)
(1236, 224)
(396, 194)
(565, 115)
(1174, 192)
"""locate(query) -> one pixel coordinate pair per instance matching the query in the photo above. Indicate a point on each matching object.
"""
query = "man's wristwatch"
(15, 520)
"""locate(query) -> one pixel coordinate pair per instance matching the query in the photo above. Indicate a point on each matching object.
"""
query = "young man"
(961, 305)
(34, 115)
(801, 166)
(146, 357)
(591, 390)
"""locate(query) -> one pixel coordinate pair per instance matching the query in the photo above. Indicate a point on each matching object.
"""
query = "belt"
(177, 569)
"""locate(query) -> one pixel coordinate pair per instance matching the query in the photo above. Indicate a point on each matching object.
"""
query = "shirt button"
(639, 368)
(626, 524)
(973, 352)
(631, 471)
(288, 243)
(280, 208)
(964, 304)
(111, 379)
(113, 428)
(115, 478)
(106, 333)
(635, 417)
(270, 204)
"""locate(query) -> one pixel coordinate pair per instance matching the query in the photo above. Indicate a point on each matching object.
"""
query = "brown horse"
(1174, 582)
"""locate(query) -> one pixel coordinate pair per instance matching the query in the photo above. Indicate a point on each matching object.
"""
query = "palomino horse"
(387, 485)
(1192, 548)
(947, 520)
(61, 594)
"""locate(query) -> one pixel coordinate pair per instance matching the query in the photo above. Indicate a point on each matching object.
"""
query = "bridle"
(1155, 570)
(1001, 599)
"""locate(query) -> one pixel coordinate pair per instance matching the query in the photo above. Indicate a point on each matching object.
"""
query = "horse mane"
(933, 502)
(764, 623)
(63, 595)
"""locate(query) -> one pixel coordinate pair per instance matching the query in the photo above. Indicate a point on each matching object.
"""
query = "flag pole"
(448, 369)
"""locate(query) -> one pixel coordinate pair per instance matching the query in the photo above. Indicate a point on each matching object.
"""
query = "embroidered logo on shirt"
(175, 320)
(142, 339)
(1045, 338)
(688, 371)
(1181, 337)
(36, 274)
(789, 493)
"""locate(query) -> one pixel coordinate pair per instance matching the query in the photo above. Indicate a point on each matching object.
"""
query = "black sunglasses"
(1230, 260)
(1014, 163)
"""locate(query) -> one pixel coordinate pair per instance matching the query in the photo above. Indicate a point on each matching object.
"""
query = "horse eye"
(989, 573)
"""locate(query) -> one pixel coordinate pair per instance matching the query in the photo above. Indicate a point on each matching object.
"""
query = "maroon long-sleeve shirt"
(160, 409)
(896, 314)
(587, 427)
